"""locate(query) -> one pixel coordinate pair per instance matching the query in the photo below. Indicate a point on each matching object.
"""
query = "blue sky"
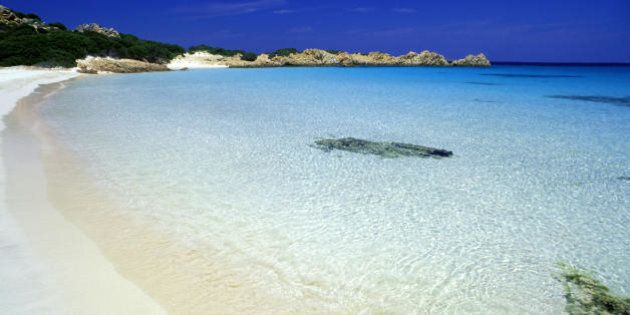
(507, 30)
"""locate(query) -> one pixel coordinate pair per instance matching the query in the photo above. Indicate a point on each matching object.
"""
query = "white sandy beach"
(197, 60)
(47, 264)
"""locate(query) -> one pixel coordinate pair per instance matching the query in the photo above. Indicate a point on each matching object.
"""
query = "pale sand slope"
(47, 265)
(197, 60)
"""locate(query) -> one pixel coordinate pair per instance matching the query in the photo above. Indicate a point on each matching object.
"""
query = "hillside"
(25, 39)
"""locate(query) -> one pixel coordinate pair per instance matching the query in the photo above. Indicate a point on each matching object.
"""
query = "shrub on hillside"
(216, 50)
(248, 56)
(24, 46)
(27, 15)
(58, 25)
(283, 52)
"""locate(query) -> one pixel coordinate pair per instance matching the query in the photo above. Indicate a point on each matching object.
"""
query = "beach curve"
(41, 252)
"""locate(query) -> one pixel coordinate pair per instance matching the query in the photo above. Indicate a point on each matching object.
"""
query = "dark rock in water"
(481, 83)
(479, 100)
(620, 101)
(585, 294)
(384, 149)
(624, 178)
(531, 76)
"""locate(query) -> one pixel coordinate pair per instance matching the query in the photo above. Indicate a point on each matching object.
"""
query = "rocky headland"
(93, 48)
(323, 58)
(94, 65)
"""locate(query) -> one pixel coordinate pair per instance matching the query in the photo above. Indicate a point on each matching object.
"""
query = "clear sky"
(506, 30)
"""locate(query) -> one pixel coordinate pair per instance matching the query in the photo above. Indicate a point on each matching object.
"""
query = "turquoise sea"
(221, 161)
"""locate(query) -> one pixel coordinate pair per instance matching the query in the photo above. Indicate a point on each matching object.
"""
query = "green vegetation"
(58, 25)
(285, 52)
(334, 51)
(586, 295)
(27, 15)
(214, 50)
(248, 56)
(28, 41)
(23, 45)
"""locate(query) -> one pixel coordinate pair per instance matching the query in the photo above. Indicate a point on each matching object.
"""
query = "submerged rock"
(586, 295)
(482, 83)
(98, 64)
(621, 101)
(93, 27)
(624, 178)
(384, 149)
(472, 61)
(530, 76)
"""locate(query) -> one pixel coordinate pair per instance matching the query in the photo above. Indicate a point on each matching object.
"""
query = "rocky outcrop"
(312, 57)
(371, 59)
(383, 149)
(472, 61)
(322, 58)
(10, 19)
(306, 58)
(93, 27)
(425, 58)
(104, 65)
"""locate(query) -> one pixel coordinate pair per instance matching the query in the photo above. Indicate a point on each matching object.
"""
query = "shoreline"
(180, 277)
(48, 263)
(120, 256)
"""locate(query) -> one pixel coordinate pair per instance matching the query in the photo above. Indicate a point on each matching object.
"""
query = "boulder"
(373, 59)
(472, 61)
(312, 57)
(99, 64)
(93, 27)
(425, 58)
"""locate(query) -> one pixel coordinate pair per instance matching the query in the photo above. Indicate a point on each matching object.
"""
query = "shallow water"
(221, 161)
